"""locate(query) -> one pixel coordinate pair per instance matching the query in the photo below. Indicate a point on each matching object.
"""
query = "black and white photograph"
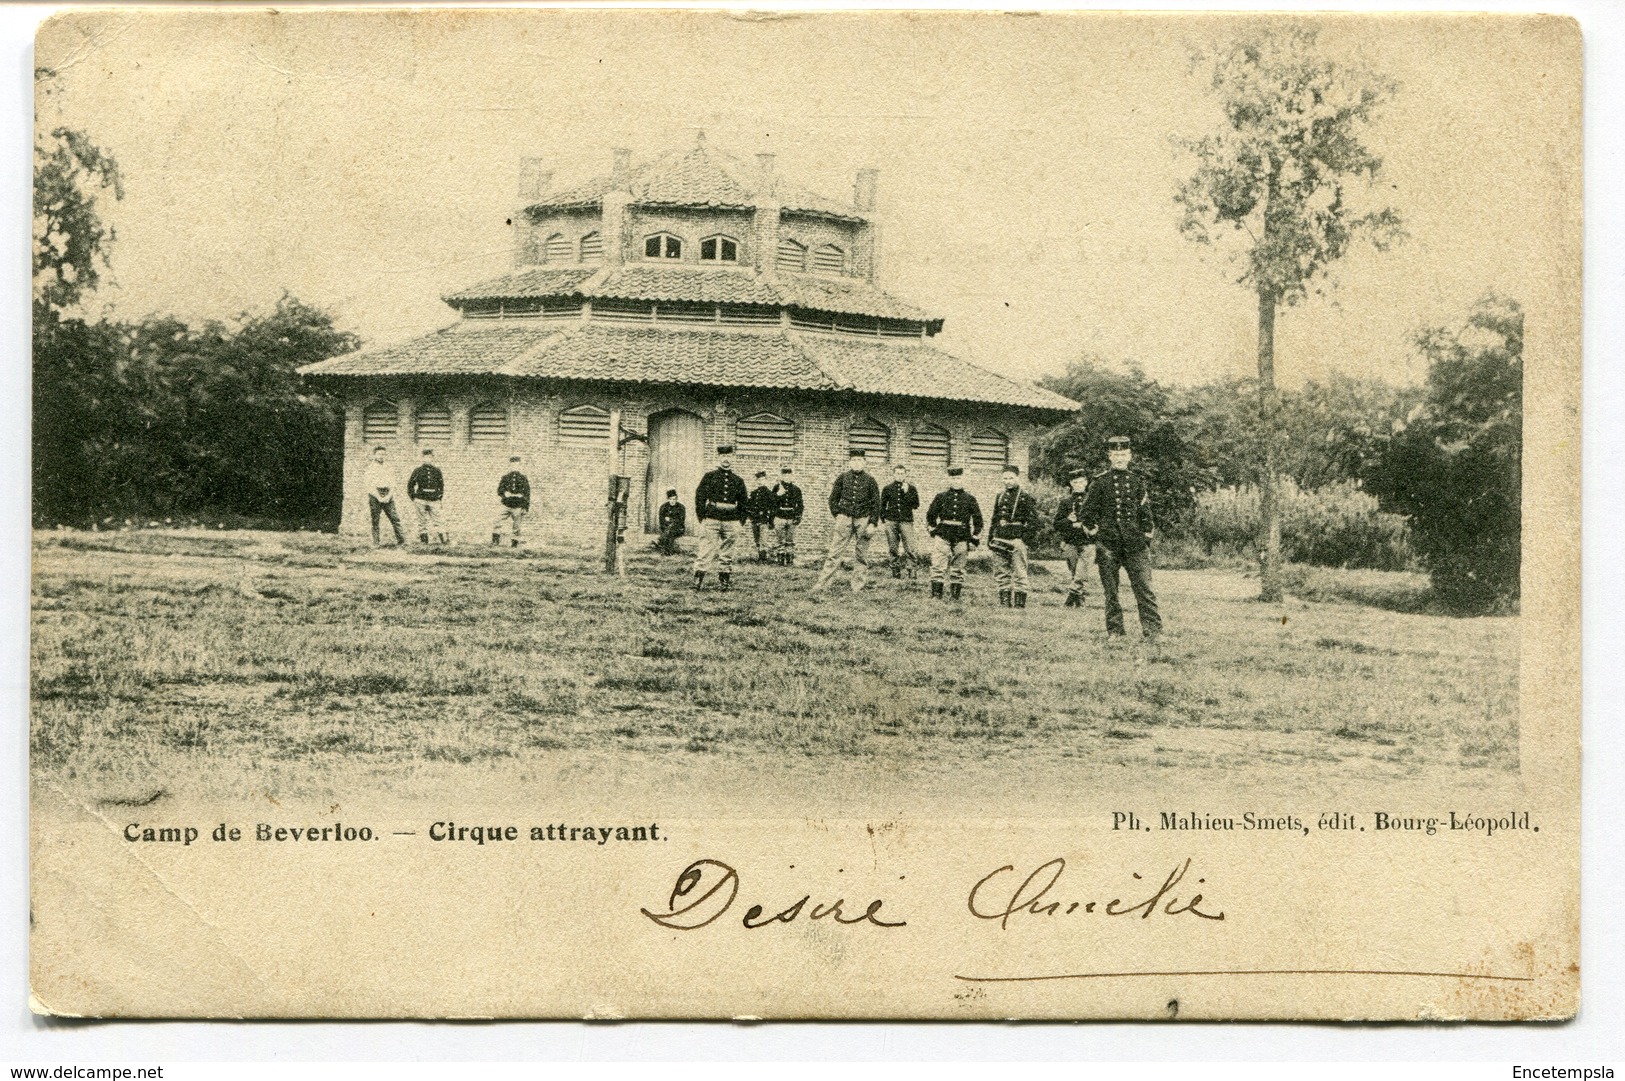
(963, 505)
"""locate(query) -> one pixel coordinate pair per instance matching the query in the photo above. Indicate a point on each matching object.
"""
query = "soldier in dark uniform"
(719, 506)
(898, 502)
(854, 504)
(1015, 523)
(788, 508)
(425, 488)
(1075, 543)
(1117, 517)
(760, 507)
(954, 521)
(513, 492)
(673, 522)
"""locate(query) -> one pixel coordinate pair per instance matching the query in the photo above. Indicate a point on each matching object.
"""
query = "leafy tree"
(1124, 401)
(1455, 466)
(1273, 179)
(70, 239)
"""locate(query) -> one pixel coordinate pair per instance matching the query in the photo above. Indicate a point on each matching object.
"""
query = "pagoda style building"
(702, 301)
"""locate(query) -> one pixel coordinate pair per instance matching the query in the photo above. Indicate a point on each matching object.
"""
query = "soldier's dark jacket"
(720, 496)
(673, 517)
(954, 515)
(899, 501)
(1070, 508)
(855, 495)
(761, 505)
(514, 490)
(426, 483)
(787, 496)
(1015, 516)
(1117, 511)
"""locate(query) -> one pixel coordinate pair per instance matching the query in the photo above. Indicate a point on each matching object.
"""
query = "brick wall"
(569, 482)
(531, 235)
(691, 226)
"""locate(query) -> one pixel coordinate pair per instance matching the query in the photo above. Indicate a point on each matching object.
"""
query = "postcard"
(675, 514)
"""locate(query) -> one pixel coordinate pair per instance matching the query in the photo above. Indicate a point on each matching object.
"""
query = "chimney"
(533, 179)
(768, 182)
(622, 166)
(863, 189)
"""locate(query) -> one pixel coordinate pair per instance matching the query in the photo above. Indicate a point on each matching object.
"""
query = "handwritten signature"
(1030, 895)
(706, 890)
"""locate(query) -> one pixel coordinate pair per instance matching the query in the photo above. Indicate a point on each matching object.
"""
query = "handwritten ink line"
(1246, 972)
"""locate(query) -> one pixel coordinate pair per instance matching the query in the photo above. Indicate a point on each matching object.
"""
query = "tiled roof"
(678, 355)
(700, 177)
(844, 296)
(535, 282)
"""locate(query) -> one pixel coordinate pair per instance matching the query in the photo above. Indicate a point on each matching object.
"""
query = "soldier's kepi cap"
(515, 458)
(670, 492)
(1013, 468)
(956, 470)
(786, 469)
(1080, 471)
(726, 448)
(761, 473)
(1118, 442)
(856, 453)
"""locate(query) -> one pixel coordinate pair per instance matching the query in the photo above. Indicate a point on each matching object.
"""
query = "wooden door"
(676, 460)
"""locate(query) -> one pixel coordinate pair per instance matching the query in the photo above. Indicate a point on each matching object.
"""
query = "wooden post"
(613, 563)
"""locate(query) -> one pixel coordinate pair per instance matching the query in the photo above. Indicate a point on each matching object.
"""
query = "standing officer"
(513, 492)
(381, 496)
(673, 521)
(425, 488)
(719, 506)
(954, 521)
(1117, 515)
(760, 507)
(1015, 522)
(854, 502)
(788, 507)
(898, 502)
(1075, 542)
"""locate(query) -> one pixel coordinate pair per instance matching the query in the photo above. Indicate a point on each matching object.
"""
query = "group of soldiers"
(1109, 512)
(426, 487)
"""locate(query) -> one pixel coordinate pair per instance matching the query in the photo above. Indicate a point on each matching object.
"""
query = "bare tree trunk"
(1269, 489)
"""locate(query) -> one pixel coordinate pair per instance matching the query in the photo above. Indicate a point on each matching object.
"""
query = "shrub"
(1335, 526)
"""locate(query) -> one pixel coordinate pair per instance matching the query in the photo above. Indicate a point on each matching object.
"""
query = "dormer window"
(662, 246)
(829, 260)
(719, 249)
(556, 249)
(592, 247)
(792, 256)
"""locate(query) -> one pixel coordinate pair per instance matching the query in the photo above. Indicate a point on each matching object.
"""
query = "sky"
(367, 163)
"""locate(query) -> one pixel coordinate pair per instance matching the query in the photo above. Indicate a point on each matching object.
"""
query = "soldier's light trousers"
(428, 512)
(717, 545)
(948, 560)
(901, 544)
(1138, 566)
(1010, 567)
(784, 534)
(847, 534)
(515, 517)
(1077, 566)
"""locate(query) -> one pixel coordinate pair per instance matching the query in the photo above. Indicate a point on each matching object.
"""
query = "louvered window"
(662, 246)
(434, 424)
(380, 422)
(488, 423)
(871, 437)
(929, 444)
(792, 256)
(989, 448)
(719, 249)
(556, 250)
(829, 260)
(765, 435)
(583, 425)
(592, 247)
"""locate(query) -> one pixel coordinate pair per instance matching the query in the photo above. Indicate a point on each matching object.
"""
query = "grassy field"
(227, 663)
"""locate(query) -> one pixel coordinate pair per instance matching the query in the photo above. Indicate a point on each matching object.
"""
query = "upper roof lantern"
(705, 177)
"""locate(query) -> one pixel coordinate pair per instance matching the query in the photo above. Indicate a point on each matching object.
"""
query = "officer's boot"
(1004, 598)
(1073, 600)
(496, 539)
(954, 590)
(725, 580)
(514, 543)
(1021, 599)
(896, 569)
(936, 591)
(699, 580)
(423, 538)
